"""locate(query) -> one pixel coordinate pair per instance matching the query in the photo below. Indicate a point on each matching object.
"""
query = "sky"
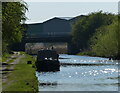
(42, 11)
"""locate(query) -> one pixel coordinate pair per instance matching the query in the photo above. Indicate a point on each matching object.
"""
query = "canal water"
(81, 73)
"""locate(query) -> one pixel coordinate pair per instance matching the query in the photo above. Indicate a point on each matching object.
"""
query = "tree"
(13, 18)
(105, 40)
(84, 29)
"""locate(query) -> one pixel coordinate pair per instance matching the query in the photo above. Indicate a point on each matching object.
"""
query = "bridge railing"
(47, 34)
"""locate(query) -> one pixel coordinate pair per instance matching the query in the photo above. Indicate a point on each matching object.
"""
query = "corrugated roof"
(63, 18)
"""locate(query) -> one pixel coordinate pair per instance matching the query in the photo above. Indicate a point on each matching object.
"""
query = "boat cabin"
(47, 55)
(47, 60)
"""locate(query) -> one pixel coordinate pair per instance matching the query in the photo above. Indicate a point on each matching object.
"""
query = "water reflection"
(81, 73)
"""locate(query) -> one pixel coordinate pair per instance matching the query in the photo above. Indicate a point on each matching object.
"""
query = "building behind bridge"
(55, 26)
(57, 29)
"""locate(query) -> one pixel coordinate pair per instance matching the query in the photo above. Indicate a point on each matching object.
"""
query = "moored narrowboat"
(47, 60)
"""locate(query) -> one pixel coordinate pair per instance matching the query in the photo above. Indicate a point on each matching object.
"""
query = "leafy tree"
(84, 29)
(118, 35)
(105, 40)
(13, 18)
(78, 32)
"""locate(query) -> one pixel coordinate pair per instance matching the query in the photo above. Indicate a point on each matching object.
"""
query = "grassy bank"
(89, 53)
(5, 57)
(22, 78)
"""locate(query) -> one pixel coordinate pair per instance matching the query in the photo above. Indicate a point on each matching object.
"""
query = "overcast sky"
(42, 11)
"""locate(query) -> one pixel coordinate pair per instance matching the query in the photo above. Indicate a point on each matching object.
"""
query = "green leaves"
(98, 32)
(86, 27)
(106, 43)
(13, 16)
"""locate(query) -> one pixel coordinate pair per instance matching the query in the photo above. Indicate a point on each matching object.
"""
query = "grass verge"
(88, 53)
(23, 77)
(5, 57)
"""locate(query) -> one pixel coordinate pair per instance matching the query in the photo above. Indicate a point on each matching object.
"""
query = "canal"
(81, 73)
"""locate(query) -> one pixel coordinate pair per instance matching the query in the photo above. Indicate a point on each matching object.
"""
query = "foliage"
(105, 40)
(13, 18)
(84, 29)
(98, 34)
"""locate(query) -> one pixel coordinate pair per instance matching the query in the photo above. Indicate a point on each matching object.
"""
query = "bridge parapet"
(48, 34)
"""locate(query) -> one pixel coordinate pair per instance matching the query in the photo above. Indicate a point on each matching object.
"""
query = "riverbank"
(18, 75)
(89, 53)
